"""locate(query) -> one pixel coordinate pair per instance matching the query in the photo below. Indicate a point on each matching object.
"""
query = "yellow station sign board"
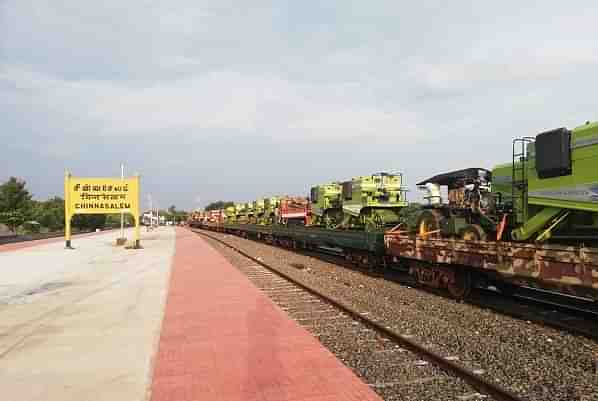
(103, 195)
(97, 195)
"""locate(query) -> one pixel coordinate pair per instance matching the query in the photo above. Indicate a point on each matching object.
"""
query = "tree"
(181, 216)
(50, 213)
(113, 220)
(219, 205)
(12, 219)
(15, 203)
(174, 215)
(89, 221)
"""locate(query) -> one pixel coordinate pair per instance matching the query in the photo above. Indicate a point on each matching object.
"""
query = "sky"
(236, 100)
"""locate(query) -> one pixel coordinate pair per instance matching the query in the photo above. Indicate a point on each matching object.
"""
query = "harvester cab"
(271, 205)
(238, 211)
(552, 185)
(249, 212)
(242, 216)
(258, 211)
(230, 214)
(326, 205)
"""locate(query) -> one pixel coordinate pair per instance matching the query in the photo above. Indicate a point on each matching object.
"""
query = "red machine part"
(294, 208)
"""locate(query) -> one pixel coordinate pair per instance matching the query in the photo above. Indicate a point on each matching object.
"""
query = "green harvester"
(551, 186)
(368, 203)
(230, 214)
(549, 191)
(326, 205)
(258, 211)
(271, 206)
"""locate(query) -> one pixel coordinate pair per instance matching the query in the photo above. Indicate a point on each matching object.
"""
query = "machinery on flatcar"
(548, 192)
(271, 207)
(531, 222)
(469, 212)
(258, 211)
(326, 205)
(368, 203)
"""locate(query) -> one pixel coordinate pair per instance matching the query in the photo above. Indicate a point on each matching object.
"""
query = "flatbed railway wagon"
(453, 264)
(532, 222)
(458, 265)
(364, 247)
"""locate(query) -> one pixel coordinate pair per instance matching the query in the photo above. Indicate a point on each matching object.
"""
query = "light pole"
(122, 214)
(151, 209)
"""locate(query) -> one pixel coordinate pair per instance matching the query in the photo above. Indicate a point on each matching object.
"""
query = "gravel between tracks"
(395, 373)
(535, 362)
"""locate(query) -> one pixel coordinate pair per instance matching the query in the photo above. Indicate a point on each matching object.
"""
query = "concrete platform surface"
(222, 339)
(82, 324)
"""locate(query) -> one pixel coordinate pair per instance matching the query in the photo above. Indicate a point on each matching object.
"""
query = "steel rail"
(589, 315)
(479, 383)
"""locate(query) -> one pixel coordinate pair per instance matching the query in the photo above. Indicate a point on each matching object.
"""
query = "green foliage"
(219, 205)
(179, 216)
(15, 203)
(12, 219)
(89, 221)
(32, 227)
(50, 213)
(113, 220)
(174, 215)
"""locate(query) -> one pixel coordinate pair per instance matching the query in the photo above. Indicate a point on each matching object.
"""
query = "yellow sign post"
(95, 195)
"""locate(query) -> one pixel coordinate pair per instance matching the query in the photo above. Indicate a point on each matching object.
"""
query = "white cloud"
(240, 86)
(214, 101)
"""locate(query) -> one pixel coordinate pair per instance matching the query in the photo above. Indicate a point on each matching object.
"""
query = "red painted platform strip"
(222, 339)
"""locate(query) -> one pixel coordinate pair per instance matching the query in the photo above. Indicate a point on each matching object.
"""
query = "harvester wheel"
(473, 232)
(428, 224)
(378, 221)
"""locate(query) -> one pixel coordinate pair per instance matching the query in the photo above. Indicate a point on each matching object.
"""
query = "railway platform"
(222, 339)
(172, 321)
(81, 324)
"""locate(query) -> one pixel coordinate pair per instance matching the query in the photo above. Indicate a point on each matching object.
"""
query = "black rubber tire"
(427, 221)
(473, 232)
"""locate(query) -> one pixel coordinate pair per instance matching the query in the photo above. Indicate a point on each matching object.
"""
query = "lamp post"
(122, 214)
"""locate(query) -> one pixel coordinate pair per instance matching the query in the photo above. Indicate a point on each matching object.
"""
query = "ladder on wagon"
(519, 194)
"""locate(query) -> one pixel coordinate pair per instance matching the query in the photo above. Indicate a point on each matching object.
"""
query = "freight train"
(532, 222)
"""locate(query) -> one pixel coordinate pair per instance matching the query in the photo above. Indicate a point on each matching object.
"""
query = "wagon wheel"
(506, 289)
(473, 232)
(461, 288)
(428, 224)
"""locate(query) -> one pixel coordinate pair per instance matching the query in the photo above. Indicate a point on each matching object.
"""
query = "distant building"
(150, 218)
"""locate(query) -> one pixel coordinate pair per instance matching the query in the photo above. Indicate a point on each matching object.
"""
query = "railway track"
(393, 364)
(572, 315)
(575, 316)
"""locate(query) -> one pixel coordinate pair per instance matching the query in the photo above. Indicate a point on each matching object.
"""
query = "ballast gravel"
(535, 362)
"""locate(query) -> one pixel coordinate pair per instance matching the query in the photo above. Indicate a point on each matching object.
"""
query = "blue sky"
(236, 100)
